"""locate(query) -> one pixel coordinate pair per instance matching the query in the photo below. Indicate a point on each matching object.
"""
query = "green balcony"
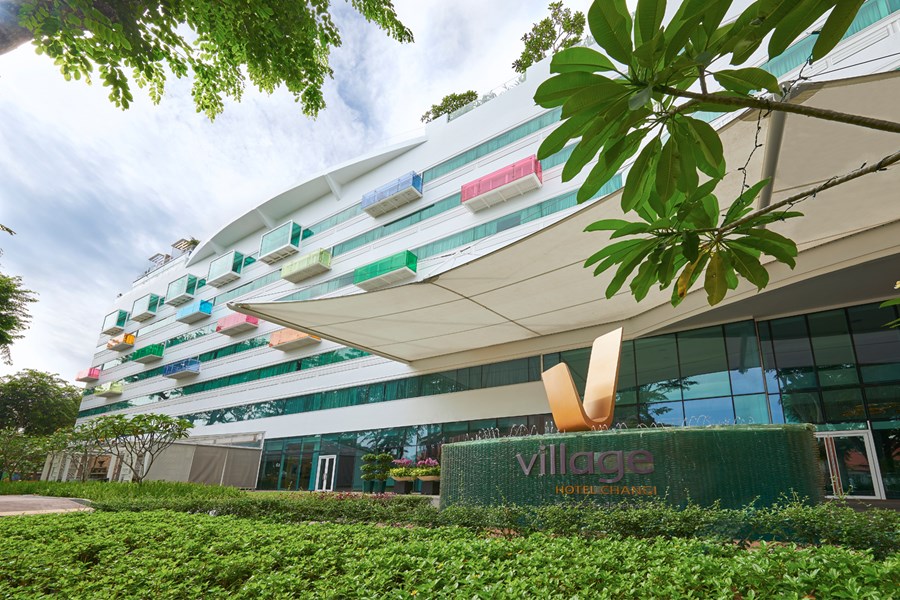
(280, 242)
(225, 269)
(145, 307)
(307, 266)
(181, 290)
(114, 322)
(108, 389)
(387, 271)
(148, 354)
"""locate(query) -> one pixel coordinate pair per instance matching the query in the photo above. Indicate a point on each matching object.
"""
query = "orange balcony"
(121, 342)
(289, 339)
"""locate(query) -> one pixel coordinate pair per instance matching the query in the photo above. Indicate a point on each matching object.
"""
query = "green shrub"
(100, 491)
(170, 555)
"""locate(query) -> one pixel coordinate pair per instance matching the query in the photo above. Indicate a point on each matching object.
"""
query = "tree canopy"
(37, 403)
(560, 30)
(137, 440)
(448, 104)
(14, 316)
(219, 44)
(638, 97)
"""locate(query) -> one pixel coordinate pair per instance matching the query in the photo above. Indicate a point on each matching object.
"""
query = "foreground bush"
(100, 491)
(171, 555)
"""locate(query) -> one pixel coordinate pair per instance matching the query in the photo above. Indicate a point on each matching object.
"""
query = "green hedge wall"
(735, 466)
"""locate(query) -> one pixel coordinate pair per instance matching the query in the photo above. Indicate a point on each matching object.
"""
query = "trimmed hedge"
(171, 555)
(101, 491)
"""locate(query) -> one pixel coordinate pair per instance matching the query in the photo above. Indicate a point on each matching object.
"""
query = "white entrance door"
(850, 465)
(325, 473)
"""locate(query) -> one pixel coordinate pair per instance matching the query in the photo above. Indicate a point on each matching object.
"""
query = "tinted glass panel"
(793, 354)
(657, 372)
(877, 347)
(704, 366)
(833, 348)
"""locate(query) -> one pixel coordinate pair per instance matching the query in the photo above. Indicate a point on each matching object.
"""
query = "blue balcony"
(195, 311)
(188, 367)
(395, 194)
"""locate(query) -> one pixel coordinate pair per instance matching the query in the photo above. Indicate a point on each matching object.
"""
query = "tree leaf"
(715, 284)
(835, 27)
(631, 229)
(667, 168)
(622, 247)
(610, 24)
(690, 245)
(777, 251)
(579, 58)
(556, 90)
(609, 162)
(688, 276)
(607, 225)
(771, 236)
(642, 176)
(640, 99)
(594, 98)
(559, 137)
(629, 264)
(707, 147)
(744, 81)
(647, 19)
(743, 202)
(748, 266)
(803, 14)
(646, 277)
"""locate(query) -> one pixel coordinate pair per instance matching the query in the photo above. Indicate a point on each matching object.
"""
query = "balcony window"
(188, 367)
(394, 194)
(236, 323)
(387, 271)
(110, 388)
(148, 354)
(88, 375)
(181, 290)
(289, 339)
(121, 342)
(279, 243)
(510, 181)
(195, 311)
(145, 308)
(225, 269)
(114, 322)
(307, 266)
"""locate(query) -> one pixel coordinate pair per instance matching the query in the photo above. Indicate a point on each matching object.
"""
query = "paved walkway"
(37, 505)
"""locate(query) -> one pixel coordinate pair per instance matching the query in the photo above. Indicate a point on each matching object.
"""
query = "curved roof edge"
(271, 213)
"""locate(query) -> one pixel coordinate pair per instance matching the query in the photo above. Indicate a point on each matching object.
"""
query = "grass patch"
(176, 555)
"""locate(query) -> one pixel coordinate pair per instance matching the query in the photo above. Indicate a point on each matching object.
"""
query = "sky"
(93, 191)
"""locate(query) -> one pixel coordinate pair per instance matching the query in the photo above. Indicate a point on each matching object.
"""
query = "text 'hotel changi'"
(413, 296)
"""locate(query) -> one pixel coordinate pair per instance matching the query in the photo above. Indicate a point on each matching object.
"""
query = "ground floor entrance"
(860, 463)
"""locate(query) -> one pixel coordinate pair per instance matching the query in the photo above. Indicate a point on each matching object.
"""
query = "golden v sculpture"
(569, 413)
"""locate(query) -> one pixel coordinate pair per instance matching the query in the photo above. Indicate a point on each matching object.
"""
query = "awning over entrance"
(537, 286)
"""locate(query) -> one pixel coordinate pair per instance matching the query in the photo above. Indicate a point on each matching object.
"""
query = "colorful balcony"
(280, 243)
(386, 271)
(511, 181)
(148, 354)
(307, 266)
(181, 290)
(121, 342)
(145, 308)
(195, 311)
(289, 339)
(88, 375)
(395, 194)
(236, 323)
(114, 322)
(110, 388)
(225, 269)
(188, 367)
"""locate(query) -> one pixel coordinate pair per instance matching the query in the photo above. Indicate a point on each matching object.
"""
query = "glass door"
(847, 461)
(325, 473)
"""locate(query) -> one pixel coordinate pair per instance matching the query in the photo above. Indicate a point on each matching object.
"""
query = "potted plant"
(403, 473)
(375, 469)
(428, 471)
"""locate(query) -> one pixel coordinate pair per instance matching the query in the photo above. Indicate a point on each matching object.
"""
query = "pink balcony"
(510, 181)
(236, 323)
(88, 375)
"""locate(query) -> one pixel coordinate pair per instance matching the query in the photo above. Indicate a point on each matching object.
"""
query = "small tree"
(23, 454)
(448, 104)
(375, 467)
(138, 440)
(37, 403)
(14, 317)
(562, 29)
(81, 443)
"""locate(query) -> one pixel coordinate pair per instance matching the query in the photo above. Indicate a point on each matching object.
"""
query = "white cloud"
(93, 191)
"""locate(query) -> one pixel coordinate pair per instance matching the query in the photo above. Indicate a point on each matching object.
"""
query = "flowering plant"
(403, 467)
(428, 467)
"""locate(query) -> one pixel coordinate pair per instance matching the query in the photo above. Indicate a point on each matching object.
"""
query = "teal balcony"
(145, 307)
(225, 269)
(280, 243)
(148, 354)
(181, 290)
(387, 271)
(110, 388)
(195, 311)
(114, 322)
(307, 266)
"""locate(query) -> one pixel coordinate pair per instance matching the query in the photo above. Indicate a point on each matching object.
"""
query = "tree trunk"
(11, 34)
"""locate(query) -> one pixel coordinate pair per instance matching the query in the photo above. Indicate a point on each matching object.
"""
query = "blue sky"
(93, 191)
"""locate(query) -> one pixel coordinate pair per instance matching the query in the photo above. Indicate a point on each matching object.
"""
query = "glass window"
(883, 402)
(704, 365)
(663, 413)
(751, 410)
(802, 407)
(877, 347)
(657, 369)
(776, 409)
(843, 405)
(743, 358)
(626, 390)
(793, 354)
(833, 349)
(887, 449)
(713, 411)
